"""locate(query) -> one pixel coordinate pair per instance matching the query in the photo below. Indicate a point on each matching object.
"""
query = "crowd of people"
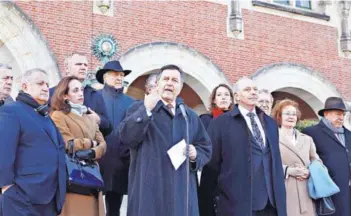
(252, 159)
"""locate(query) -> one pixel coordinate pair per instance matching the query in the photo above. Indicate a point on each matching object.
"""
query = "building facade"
(294, 48)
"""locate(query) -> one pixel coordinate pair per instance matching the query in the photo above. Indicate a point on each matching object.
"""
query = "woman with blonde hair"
(297, 152)
(75, 124)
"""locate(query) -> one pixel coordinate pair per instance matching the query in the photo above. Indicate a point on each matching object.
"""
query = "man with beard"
(150, 129)
(6, 80)
(32, 152)
(246, 161)
(76, 64)
(265, 101)
(115, 163)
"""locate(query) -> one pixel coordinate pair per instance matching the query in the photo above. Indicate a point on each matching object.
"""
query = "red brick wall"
(269, 39)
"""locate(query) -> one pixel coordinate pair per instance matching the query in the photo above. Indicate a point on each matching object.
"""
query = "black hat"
(110, 66)
(333, 103)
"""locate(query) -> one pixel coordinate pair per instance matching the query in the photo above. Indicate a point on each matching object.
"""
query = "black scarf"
(29, 100)
(2, 102)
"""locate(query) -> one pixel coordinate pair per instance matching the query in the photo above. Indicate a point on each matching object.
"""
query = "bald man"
(248, 176)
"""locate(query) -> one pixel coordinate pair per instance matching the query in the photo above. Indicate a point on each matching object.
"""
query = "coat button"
(138, 119)
(347, 150)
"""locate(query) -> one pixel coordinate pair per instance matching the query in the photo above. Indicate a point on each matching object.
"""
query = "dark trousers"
(14, 203)
(269, 210)
(113, 202)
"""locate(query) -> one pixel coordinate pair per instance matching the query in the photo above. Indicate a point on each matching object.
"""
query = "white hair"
(5, 66)
(29, 73)
(237, 86)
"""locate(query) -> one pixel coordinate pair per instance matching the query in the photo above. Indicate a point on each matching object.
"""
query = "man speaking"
(157, 186)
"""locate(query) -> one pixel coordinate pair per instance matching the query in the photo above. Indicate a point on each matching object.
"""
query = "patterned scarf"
(339, 132)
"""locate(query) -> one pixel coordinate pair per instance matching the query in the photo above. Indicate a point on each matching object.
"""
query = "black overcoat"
(337, 159)
(155, 187)
(231, 163)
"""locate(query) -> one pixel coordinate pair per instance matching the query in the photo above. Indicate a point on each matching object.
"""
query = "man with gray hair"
(115, 164)
(76, 64)
(150, 84)
(265, 101)
(32, 152)
(247, 176)
(6, 80)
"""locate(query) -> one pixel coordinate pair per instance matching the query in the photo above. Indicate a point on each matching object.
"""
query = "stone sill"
(293, 10)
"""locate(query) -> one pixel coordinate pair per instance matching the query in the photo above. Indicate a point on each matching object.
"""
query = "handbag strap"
(70, 146)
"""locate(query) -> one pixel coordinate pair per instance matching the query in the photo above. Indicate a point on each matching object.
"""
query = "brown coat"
(83, 130)
(303, 153)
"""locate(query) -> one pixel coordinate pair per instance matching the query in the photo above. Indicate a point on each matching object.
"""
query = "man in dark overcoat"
(76, 64)
(32, 153)
(115, 163)
(246, 163)
(333, 144)
(150, 129)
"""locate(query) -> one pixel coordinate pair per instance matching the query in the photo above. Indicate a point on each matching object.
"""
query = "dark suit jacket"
(94, 101)
(32, 154)
(337, 158)
(231, 163)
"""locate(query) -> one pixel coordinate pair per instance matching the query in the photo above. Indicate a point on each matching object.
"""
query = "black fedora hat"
(110, 66)
(333, 103)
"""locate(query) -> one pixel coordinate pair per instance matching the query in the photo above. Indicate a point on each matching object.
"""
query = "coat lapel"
(79, 120)
(35, 116)
(289, 144)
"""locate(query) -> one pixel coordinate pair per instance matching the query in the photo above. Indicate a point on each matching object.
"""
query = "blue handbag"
(84, 176)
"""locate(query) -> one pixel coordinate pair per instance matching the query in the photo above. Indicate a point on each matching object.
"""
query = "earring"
(66, 101)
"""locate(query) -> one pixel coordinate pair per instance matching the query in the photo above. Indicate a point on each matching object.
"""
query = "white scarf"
(78, 109)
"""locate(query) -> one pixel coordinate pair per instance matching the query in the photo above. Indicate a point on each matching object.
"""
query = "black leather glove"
(86, 154)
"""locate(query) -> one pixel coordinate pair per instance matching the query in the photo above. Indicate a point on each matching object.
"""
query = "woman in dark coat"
(222, 100)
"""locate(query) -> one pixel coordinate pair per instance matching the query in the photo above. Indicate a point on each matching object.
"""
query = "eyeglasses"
(289, 114)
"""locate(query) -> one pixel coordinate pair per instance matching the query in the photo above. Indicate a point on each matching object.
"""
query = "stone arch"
(298, 80)
(22, 45)
(202, 75)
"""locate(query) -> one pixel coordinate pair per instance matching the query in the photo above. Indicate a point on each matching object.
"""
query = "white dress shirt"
(165, 103)
(244, 112)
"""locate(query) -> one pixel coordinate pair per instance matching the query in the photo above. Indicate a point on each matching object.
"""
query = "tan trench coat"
(82, 129)
(303, 153)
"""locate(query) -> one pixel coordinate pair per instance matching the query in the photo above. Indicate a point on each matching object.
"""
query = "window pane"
(286, 2)
(303, 4)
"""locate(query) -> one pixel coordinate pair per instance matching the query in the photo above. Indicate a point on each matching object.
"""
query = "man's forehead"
(246, 82)
(264, 95)
(170, 73)
(5, 71)
(39, 77)
(79, 58)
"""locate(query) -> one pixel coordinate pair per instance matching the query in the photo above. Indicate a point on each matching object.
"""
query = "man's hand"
(151, 100)
(192, 152)
(95, 116)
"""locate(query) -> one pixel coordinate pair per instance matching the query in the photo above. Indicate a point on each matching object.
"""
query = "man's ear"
(236, 97)
(24, 86)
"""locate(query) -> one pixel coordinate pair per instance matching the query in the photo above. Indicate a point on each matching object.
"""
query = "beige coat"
(303, 153)
(82, 129)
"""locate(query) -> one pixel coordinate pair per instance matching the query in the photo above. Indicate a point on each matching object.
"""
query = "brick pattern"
(201, 25)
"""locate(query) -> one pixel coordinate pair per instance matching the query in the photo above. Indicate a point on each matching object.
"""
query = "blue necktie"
(255, 130)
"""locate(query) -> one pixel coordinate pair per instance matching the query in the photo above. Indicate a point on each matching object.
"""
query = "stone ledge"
(291, 10)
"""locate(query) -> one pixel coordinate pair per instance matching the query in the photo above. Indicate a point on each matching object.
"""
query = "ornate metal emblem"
(104, 47)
